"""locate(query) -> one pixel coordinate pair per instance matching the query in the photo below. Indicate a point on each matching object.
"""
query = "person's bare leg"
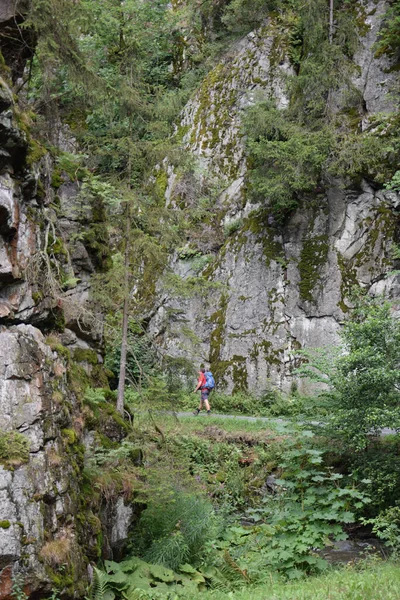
(207, 405)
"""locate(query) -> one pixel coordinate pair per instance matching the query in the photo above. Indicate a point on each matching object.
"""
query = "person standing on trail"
(205, 384)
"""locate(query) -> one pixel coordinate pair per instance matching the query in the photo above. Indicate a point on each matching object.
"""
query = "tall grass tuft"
(174, 531)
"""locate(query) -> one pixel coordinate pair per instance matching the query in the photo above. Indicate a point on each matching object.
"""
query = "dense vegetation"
(223, 508)
(321, 134)
(238, 507)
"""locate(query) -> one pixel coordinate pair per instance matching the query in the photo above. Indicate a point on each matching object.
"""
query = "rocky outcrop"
(39, 489)
(274, 289)
(50, 347)
(17, 44)
(375, 79)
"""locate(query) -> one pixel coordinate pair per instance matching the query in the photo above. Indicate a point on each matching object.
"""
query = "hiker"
(205, 384)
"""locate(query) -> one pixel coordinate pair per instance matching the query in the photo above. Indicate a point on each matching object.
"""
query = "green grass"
(377, 581)
(271, 405)
(188, 425)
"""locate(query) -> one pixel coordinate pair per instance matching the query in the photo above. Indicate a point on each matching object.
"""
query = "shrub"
(387, 527)
(364, 379)
(232, 227)
(285, 158)
(378, 466)
(308, 508)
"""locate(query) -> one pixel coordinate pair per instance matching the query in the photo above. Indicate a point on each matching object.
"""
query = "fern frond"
(99, 585)
(234, 568)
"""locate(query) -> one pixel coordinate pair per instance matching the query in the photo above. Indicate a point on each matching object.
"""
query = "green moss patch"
(14, 449)
(313, 256)
(5, 524)
(85, 355)
(217, 337)
(69, 435)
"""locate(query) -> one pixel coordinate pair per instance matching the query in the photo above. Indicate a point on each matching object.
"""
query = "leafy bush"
(394, 183)
(378, 466)
(137, 580)
(364, 380)
(387, 527)
(307, 511)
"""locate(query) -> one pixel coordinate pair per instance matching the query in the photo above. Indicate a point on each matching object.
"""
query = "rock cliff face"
(281, 288)
(49, 352)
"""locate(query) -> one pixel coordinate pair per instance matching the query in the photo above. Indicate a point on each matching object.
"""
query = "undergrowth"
(270, 403)
(371, 581)
(227, 507)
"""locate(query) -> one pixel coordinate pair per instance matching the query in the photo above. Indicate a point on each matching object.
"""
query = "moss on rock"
(85, 355)
(5, 524)
(14, 449)
(217, 338)
(313, 256)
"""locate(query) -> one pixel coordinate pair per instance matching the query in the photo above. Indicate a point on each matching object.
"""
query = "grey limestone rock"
(276, 289)
(375, 80)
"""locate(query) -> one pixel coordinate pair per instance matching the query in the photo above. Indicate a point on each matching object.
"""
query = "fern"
(232, 571)
(99, 585)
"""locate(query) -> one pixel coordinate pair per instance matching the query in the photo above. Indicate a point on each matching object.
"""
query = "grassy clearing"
(272, 404)
(193, 424)
(377, 581)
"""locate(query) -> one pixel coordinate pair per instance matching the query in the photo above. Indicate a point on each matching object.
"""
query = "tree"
(366, 383)
(389, 37)
(125, 315)
(364, 380)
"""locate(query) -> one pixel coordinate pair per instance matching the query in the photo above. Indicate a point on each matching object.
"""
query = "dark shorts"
(205, 392)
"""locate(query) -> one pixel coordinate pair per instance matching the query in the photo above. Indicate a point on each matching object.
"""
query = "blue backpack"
(210, 383)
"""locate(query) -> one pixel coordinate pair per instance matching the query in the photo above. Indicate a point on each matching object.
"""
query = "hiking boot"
(196, 412)
(209, 412)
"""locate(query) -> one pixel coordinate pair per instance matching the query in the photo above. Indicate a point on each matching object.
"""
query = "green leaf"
(162, 573)
(348, 517)
(111, 566)
(118, 577)
(186, 569)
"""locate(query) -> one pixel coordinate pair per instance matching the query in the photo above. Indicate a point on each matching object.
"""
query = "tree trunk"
(125, 310)
(125, 315)
(330, 21)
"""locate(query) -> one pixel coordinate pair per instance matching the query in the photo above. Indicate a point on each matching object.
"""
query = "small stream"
(353, 549)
